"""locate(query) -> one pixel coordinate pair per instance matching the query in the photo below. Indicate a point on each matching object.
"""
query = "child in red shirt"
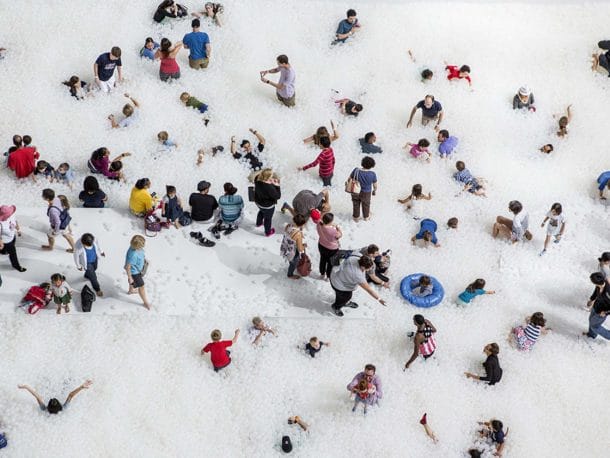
(220, 356)
(462, 72)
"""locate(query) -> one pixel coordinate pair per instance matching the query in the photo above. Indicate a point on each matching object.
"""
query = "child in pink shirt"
(419, 150)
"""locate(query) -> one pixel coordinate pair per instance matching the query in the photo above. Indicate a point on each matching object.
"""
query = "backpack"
(340, 256)
(288, 247)
(185, 219)
(64, 216)
(304, 265)
(3, 440)
(87, 297)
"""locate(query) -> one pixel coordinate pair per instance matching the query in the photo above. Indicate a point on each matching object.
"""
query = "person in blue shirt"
(135, 263)
(368, 187)
(473, 290)
(149, 48)
(603, 181)
(431, 110)
(198, 43)
(347, 27)
(447, 143)
(427, 233)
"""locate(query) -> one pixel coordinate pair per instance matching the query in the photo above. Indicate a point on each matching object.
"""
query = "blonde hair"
(137, 242)
(128, 110)
(64, 201)
(257, 320)
(265, 175)
(184, 96)
(216, 335)
(163, 135)
(313, 340)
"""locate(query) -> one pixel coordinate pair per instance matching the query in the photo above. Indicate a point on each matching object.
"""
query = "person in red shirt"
(454, 72)
(23, 161)
(219, 354)
(326, 160)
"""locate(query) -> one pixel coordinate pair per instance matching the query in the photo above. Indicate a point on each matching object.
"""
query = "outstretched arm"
(235, 336)
(410, 121)
(258, 136)
(135, 102)
(33, 393)
(73, 393)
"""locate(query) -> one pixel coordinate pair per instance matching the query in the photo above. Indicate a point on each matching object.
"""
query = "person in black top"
(266, 194)
(246, 153)
(202, 205)
(169, 8)
(92, 196)
(493, 371)
(314, 346)
(602, 59)
(599, 313)
(598, 279)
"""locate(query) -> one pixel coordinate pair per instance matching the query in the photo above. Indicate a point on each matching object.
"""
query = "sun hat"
(524, 91)
(6, 211)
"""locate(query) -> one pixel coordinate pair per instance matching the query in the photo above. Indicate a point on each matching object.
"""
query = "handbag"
(352, 185)
(304, 265)
(145, 267)
(251, 193)
(152, 225)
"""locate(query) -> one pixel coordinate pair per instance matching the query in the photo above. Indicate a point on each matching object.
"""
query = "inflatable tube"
(411, 281)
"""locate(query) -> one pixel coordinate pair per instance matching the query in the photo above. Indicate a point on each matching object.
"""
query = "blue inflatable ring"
(411, 281)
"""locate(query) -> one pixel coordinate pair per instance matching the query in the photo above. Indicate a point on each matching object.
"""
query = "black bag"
(604, 44)
(185, 219)
(87, 297)
(251, 193)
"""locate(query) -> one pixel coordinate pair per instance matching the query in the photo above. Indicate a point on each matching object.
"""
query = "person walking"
(285, 91)
(368, 374)
(9, 230)
(266, 194)
(368, 187)
(135, 266)
(423, 339)
(86, 255)
(59, 219)
(198, 43)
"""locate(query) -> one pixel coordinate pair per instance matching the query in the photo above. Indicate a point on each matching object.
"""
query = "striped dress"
(427, 347)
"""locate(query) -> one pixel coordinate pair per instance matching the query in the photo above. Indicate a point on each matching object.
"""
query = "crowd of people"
(346, 270)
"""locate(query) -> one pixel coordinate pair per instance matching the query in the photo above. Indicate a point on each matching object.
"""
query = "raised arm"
(175, 50)
(233, 147)
(335, 131)
(569, 113)
(135, 102)
(33, 393)
(73, 393)
(235, 336)
(258, 136)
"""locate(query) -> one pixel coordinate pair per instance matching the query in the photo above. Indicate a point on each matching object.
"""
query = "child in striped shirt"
(526, 336)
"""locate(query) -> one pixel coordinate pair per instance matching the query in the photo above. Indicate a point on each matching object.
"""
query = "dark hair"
(563, 123)
(165, 4)
(91, 184)
(65, 165)
(479, 283)
(72, 81)
(368, 136)
(423, 143)
(27, 140)
(299, 219)
(351, 13)
(550, 147)
(358, 107)
(515, 206)
(494, 348)
(87, 239)
(58, 277)
(372, 249)
(416, 190)
(460, 165)
(142, 183)
(17, 140)
(196, 23)
(48, 194)
(419, 319)
(244, 143)
(429, 95)
(229, 189)
(54, 406)
(365, 262)
(538, 319)
(556, 207)
(370, 367)
(452, 222)
(424, 280)
(99, 153)
(165, 46)
(328, 218)
(444, 133)
(427, 236)
(605, 257)
(367, 162)
(148, 40)
(169, 189)
(427, 74)
(597, 278)
(115, 166)
(496, 425)
(116, 51)
(324, 142)
(474, 453)
(465, 68)
(282, 59)
(40, 165)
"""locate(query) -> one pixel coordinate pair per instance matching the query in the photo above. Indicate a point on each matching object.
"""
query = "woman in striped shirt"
(526, 336)
(423, 341)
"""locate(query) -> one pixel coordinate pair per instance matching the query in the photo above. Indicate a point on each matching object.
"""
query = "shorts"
(289, 102)
(138, 280)
(52, 233)
(198, 63)
(426, 119)
(107, 86)
(63, 300)
(552, 230)
(522, 341)
(168, 76)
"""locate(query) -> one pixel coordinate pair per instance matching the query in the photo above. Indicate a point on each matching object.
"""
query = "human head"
(142, 183)
(282, 60)
(54, 406)
(423, 143)
(257, 321)
(115, 53)
(299, 220)
(216, 335)
(464, 70)
(474, 453)
(548, 148)
(598, 279)
(265, 175)
(351, 16)
(556, 208)
(42, 165)
(427, 74)
(91, 184)
(137, 242)
(184, 97)
(443, 135)
(322, 131)
(229, 189)
(452, 223)
(27, 140)
(605, 257)
(162, 136)
(496, 425)
(73, 81)
(313, 340)
(149, 43)
(363, 385)
(515, 206)
(17, 140)
(479, 283)
(370, 137)
(365, 263)
(492, 349)
(58, 279)
(460, 165)
(63, 167)
(165, 45)
(369, 371)
(427, 236)
(195, 23)
(203, 186)
(128, 110)
(170, 190)
(372, 250)
(87, 239)
(416, 190)
(327, 218)
(48, 194)
(424, 280)
(524, 93)
(428, 101)
(538, 319)
(563, 122)
(209, 7)
(324, 142)
(418, 319)
(367, 162)
(358, 108)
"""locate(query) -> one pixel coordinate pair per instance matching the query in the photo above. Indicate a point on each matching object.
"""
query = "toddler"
(363, 393)
(314, 346)
(37, 297)
(414, 201)
(193, 102)
(424, 287)
(419, 150)
(556, 226)
(45, 169)
(65, 175)
(473, 290)
(164, 139)
(171, 206)
(62, 292)
(259, 328)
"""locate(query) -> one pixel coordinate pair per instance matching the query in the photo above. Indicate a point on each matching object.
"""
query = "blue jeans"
(92, 276)
(265, 216)
(292, 266)
(595, 326)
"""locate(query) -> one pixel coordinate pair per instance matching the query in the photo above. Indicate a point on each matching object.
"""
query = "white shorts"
(66, 231)
(552, 230)
(107, 86)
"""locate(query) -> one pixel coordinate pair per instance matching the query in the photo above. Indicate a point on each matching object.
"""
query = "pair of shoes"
(196, 235)
(556, 240)
(216, 233)
(337, 311)
(206, 242)
(216, 149)
(20, 269)
(352, 305)
(229, 230)
(271, 232)
(206, 122)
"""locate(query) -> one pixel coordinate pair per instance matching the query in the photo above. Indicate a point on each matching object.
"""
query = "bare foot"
(46, 247)
(99, 294)
(67, 309)
(132, 291)
(58, 310)
(147, 306)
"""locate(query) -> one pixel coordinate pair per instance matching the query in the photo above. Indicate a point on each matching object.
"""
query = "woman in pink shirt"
(169, 67)
(328, 243)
